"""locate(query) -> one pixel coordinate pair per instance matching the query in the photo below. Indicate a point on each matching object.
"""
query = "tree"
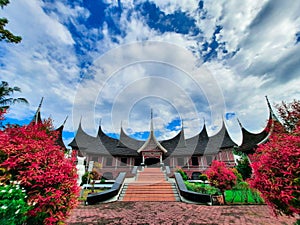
(290, 114)
(221, 177)
(31, 157)
(5, 95)
(276, 165)
(243, 167)
(6, 35)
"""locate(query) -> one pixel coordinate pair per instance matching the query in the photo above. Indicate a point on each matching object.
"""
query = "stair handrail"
(105, 195)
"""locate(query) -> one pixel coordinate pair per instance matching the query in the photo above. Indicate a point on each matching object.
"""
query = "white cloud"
(183, 5)
(43, 65)
(262, 33)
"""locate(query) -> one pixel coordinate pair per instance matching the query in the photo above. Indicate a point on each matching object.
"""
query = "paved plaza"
(173, 213)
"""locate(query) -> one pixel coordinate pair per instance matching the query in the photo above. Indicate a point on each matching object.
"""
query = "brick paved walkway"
(173, 213)
(151, 185)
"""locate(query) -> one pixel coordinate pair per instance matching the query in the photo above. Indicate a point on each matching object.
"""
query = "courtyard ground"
(173, 213)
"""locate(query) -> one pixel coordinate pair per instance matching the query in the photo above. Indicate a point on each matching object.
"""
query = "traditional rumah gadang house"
(193, 154)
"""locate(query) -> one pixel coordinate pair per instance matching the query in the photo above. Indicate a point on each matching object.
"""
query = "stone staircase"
(150, 185)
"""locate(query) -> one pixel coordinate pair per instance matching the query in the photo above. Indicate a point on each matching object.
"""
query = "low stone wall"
(191, 195)
(105, 195)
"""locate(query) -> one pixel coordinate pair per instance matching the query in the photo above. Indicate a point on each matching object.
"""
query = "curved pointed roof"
(127, 141)
(199, 142)
(151, 143)
(182, 141)
(111, 145)
(59, 140)
(176, 145)
(252, 140)
(81, 139)
(37, 116)
(219, 141)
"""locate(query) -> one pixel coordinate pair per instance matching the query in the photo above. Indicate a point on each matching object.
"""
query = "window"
(195, 161)
(137, 161)
(180, 161)
(95, 158)
(123, 161)
(109, 161)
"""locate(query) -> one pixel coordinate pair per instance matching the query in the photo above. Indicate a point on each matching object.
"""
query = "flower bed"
(238, 195)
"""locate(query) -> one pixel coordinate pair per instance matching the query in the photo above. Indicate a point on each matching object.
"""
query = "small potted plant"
(93, 176)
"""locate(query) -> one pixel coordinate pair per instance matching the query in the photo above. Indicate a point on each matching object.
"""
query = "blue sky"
(191, 61)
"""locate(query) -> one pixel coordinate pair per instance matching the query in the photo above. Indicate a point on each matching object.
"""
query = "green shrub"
(212, 190)
(182, 173)
(13, 205)
(203, 177)
(202, 188)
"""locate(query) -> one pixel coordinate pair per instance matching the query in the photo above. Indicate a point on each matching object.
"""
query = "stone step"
(153, 184)
(149, 198)
(150, 185)
(150, 191)
(150, 188)
(147, 194)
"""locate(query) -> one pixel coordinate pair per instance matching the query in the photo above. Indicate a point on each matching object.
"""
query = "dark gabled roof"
(81, 139)
(176, 145)
(252, 140)
(219, 141)
(37, 119)
(59, 140)
(152, 143)
(112, 147)
(198, 142)
(182, 141)
(128, 142)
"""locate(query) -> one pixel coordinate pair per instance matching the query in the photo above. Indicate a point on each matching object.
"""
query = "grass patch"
(243, 196)
(238, 195)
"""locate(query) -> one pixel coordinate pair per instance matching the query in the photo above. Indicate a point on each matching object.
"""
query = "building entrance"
(153, 162)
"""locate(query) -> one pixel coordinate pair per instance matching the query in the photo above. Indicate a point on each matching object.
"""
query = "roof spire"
(38, 110)
(121, 125)
(269, 105)
(40, 105)
(151, 113)
(151, 143)
(37, 116)
(272, 114)
(239, 122)
(151, 122)
(65, 121)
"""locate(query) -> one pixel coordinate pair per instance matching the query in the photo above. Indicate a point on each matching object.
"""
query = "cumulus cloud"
(117, 66)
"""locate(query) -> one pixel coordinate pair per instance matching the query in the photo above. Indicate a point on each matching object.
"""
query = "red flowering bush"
(30, 156)
(276, 170)
(220, 176)
(276, 164)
